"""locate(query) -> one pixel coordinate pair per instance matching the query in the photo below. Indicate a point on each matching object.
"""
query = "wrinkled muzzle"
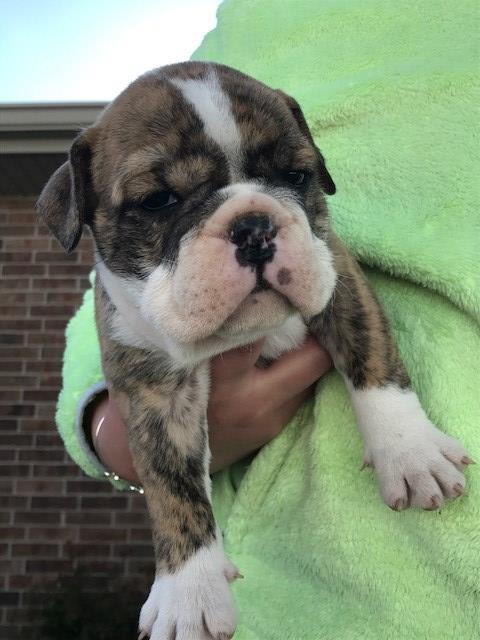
(251, 265)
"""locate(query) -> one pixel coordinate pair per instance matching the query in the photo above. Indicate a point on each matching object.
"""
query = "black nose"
(253, 234)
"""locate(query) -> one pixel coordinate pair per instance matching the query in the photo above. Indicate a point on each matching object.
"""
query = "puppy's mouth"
(263, 306)
(238, 276)
(261, 284)
(262, 309)
(254, 239)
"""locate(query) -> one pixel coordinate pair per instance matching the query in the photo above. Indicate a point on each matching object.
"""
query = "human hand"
(248, 406)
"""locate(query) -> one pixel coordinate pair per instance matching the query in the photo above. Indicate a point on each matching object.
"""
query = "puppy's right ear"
(67, 201)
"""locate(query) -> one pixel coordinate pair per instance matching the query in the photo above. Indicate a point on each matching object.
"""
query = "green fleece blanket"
(389, 91)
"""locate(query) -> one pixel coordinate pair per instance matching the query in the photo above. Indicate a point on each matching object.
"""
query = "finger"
(287, 411)
(292, 373)
(236, 362)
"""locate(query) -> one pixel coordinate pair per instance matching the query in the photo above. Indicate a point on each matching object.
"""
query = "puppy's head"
(205, 195)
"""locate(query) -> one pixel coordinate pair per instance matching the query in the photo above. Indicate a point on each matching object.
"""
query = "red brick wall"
(51, 516)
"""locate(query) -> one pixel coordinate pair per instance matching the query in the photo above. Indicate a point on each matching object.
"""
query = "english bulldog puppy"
(205, 194)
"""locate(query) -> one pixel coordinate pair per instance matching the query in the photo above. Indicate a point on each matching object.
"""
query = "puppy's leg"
(165, 412)
(416, 464)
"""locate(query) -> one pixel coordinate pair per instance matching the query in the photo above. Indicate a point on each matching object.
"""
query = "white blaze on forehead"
(212, 105)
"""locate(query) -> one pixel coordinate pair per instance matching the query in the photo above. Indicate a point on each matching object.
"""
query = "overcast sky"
(89, 50)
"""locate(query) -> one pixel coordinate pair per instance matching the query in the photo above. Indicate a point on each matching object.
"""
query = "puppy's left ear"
(326, 180)
(67, 201)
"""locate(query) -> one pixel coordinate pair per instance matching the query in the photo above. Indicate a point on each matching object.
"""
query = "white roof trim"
(48, 117)
(33, 145)
(44, 128)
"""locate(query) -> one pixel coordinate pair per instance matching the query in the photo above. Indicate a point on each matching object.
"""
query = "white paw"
(419, 471)
(195, 603)
(416, 464)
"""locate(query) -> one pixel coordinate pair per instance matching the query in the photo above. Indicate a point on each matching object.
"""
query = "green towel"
(389, 90)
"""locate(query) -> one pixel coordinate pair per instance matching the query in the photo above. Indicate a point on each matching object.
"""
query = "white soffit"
(43, 128)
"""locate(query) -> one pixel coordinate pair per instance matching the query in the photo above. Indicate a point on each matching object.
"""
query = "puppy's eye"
(159, 200)
(297, 178)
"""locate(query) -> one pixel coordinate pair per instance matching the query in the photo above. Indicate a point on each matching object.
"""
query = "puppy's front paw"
(416, 464)
(418, 468)
(194, 603)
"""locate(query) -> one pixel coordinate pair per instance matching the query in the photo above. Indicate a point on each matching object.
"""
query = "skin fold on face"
(202, 161)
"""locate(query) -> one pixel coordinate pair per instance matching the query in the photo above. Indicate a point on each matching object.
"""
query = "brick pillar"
(52, 518)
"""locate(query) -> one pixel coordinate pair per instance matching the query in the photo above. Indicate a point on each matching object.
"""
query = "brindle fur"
(149, 139)
(355, 330)
(150, 115)
(165, 412)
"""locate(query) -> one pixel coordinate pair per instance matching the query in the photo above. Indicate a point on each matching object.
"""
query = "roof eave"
(44, 128)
